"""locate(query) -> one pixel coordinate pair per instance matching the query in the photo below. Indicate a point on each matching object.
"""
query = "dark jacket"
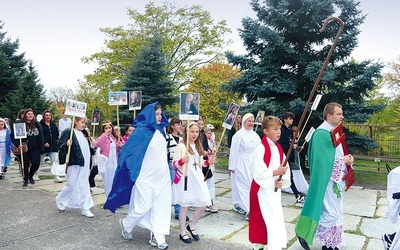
(76, 156)
(50, 134)
(34, 137)
(285, 140)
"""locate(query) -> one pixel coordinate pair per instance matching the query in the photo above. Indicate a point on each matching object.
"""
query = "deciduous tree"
(207, 80)
(190, 38)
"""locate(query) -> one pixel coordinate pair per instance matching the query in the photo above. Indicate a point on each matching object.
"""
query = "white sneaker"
(125, 233)
(239, 209)
(57, 179)
(87, 213)
(163, 246)
(212, 209)
(59, 205)
(247, 216)
(153, 242)
(36, 177)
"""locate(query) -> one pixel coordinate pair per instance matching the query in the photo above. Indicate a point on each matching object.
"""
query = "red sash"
(257, 227)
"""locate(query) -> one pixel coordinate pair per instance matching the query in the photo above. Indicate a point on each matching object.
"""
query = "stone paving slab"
(376, 227)
(364, 209)
(360, 202)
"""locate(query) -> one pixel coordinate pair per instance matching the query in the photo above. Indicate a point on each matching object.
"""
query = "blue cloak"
(131, 156)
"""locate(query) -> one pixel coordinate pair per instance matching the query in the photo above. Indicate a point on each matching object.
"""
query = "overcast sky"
(55, 35)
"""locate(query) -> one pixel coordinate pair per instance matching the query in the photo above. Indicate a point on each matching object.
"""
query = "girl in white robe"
(150, 198)
(243, 144)
(191, 191)
(109, 147)
(76, 193)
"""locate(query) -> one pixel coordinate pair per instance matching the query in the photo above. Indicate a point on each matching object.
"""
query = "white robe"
(330, 231)
(269, 200)
(76, 193)
(3, 134)
(150, 202)
(243, 144)
(197, 194)
(109, 170)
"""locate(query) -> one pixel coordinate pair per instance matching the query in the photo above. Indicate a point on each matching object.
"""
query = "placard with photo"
(118, 98)
(230, 116)
(259, 117)
(19, 130)
(135, 100)
(95, 117)
(189, 106)
(75, 108)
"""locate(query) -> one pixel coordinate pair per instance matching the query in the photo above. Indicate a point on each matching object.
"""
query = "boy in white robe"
(266, 222)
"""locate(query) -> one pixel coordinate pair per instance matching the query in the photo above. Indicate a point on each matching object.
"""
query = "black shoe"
(188, 240)
(2, 176)
(25, 185)
(31, 180)
(195, 236)
(5, 169)
(177, 217)
(303, 243)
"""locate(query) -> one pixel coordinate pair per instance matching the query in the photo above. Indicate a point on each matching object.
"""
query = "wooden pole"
(187, 153)
(119, 131)
(22, 157)
(69, 147)
(321, 73)
(215, 152)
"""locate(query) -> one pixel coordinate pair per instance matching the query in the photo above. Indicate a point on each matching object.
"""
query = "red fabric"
(257, 227)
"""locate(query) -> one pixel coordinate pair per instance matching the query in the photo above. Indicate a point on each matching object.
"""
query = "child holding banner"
(76, 193)
(190, 190)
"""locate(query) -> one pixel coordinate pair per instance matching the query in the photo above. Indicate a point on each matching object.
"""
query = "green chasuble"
(321, 157)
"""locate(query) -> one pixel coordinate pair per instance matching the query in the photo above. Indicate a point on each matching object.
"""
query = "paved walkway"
(30, 219)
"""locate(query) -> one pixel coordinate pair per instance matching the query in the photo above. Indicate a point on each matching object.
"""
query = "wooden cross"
(338, 137)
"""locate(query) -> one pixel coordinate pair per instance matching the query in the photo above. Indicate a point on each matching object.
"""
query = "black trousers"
(93, 172)
(31, 162)
(292, 185)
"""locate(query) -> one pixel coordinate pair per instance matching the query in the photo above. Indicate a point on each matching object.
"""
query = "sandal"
(193, 233)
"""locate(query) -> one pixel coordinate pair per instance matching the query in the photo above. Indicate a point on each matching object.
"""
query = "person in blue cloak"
(142, 178)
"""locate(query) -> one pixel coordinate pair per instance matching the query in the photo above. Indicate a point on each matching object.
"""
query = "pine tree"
(285, 53)
(11, 63)
(19, 84)
(148, 74)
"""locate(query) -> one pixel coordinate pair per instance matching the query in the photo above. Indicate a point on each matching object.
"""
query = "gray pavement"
(30, 219)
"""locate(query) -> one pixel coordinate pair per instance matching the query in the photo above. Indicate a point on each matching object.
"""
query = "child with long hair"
(190, 190)
(109, 147)
(5, 147)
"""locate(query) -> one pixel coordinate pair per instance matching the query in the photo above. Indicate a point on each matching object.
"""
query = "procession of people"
(162, 163)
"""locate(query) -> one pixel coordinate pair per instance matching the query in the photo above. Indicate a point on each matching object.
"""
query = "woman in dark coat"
(50, 134)
(34, 141)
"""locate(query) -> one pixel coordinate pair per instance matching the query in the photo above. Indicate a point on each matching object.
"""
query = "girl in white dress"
(109, 147)
(190, 190)
(76, 193)
(5, 147)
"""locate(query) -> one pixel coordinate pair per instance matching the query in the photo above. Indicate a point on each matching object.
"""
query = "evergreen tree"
(19, 83)
(29, 93)
(148, 74)
(285, 53)
(12, 65)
